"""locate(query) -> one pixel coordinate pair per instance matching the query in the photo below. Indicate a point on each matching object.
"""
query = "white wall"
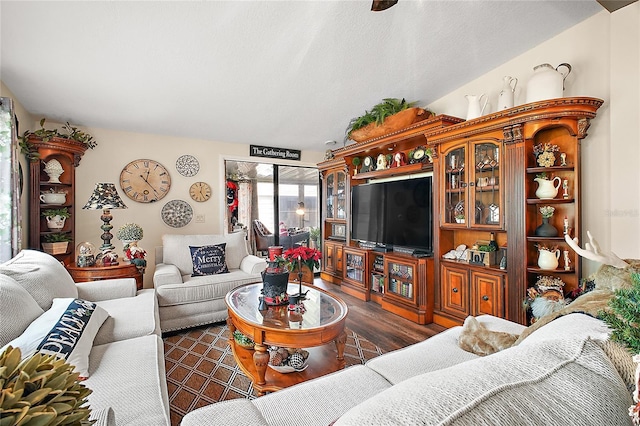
(116, 148)
(604, 67)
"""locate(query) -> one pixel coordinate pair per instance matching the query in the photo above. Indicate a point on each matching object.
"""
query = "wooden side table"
(96, 273)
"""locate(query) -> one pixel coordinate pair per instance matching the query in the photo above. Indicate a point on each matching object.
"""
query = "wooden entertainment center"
(484, 182)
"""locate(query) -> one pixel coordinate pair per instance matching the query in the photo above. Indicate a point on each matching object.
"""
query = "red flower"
(301, 254)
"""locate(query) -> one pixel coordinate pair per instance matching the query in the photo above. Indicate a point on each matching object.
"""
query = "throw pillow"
(17, 309)
(66, 330)
(42, 275)
(208, 260)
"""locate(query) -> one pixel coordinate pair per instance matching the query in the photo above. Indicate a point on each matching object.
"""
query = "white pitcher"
(546, 83)
(548, 260)
(505, 99)
(475, 110)
(546, 188)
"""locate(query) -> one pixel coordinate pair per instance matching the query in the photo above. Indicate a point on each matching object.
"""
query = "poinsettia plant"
(294, 257)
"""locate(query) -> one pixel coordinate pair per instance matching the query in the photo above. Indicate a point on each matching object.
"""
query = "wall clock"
(145, 181)
(177, 213)
(187, 165)
(200, 191)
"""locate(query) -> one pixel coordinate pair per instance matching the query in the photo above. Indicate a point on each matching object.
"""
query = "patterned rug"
(201, 369)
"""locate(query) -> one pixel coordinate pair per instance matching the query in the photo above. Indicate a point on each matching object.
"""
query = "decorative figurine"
(565, 228)
(399, 159)
(567, 261)
(563, 159)
(565, 189)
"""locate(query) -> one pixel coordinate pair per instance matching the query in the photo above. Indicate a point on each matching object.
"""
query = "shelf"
(455, 171)
(550, 271)
(487, 188)
(456, 190)
(550, 169)
(393, 171)
(551, 201)
(533, 238)
(487, 169)
(66, 185)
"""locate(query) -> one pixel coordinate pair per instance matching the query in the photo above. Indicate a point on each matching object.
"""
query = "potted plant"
(389, 115)
(459, 218)
(41, 389)
(56, 217)
(356, 162)
(56, 243)
(300, 261)
(129, 232)
(314, 237)
(546, 229)
(68, 133)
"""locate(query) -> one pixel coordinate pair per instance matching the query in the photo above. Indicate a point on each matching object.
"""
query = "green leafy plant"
(62, 212)
(356, 161)
(40, 390)
(624, 315)
(378, 113)
(543, 175)
(130, 232)
(69, 132)
(57, 237)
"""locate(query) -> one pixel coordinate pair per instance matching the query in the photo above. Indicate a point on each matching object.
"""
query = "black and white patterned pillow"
(66, 330)
(209, 260)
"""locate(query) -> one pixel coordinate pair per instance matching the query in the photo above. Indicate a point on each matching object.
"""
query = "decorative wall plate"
(177, 213)
(187, 165)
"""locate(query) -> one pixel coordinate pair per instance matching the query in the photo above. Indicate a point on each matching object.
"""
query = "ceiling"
(287, 74)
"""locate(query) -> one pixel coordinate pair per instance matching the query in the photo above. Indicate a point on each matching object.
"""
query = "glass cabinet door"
(341, 211)
(400, 279)
(355, 267)
(486, 185)
(331, 193)
(455, 186)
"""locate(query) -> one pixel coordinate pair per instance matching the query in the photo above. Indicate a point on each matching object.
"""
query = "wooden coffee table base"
(322, 360)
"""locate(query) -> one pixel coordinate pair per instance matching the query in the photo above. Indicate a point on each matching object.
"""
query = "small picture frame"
(339, 230)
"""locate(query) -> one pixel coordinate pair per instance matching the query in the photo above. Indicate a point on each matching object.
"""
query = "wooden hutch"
(68, 152)
(484, 173)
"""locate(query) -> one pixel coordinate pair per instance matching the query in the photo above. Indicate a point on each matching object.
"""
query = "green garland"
(624, 315)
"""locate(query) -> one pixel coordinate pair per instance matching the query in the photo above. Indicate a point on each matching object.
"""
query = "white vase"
(55, 222)
(548, 260)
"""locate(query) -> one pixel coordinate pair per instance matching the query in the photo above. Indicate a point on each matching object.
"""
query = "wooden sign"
(270, 152)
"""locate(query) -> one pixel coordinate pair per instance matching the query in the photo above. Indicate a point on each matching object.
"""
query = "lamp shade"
(104, 196)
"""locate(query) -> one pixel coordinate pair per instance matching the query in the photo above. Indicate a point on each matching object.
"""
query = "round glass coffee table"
(321, 323)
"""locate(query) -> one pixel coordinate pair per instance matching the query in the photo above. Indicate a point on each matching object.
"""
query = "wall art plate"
(187, 165)
(177, 213)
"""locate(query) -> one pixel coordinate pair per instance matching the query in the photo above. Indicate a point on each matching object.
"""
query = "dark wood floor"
(387, 330)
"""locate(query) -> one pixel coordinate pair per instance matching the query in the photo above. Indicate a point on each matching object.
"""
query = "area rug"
(201, 369)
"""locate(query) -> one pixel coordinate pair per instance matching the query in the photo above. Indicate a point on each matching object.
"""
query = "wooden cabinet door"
(486, 294)
(454, 289)
(338, 259)
(329, 257)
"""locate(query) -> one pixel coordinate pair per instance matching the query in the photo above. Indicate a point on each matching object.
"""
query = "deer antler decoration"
(593, 252)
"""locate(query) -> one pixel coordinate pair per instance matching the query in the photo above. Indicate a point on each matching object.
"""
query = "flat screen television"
(398, 212)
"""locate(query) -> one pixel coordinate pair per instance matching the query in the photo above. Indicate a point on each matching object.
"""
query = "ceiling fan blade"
(379, 5)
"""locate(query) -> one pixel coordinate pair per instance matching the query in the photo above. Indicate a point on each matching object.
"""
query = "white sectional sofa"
(559, 375)
(186, 301)
(126, 360)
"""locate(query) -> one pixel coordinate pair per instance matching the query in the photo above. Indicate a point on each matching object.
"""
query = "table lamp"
(105, 197)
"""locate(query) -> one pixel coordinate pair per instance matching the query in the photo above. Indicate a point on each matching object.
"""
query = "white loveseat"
(559, 375)
(187, 301)
(126, 360)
